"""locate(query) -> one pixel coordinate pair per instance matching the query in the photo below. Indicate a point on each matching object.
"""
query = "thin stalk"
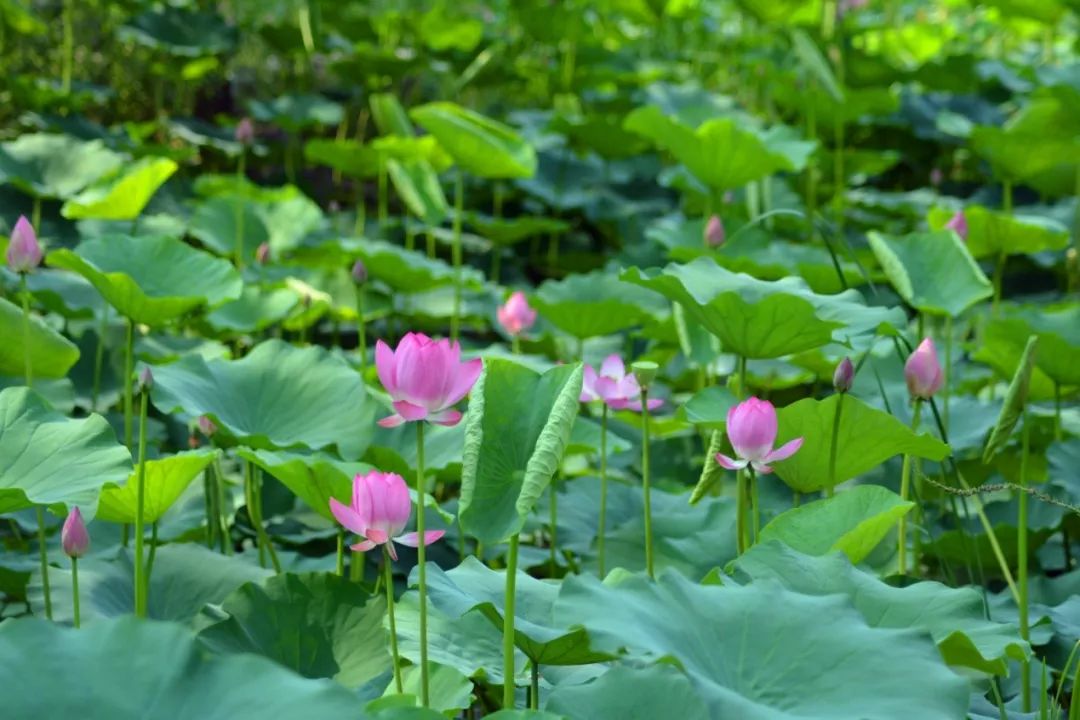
(947, 388)
(601, 525)
(129, 370)
(75, 588)
(1022, 560)
(811, 168)
(999, 275)
(151, 554)
(141, 584)
(646, 490)
(28, 365)
(421, 560)
(508, 623)
(356, 567)
(222, 490)
(43, 556)
(35, 213)
(249, 500)
(459, 203)
(341, 552)
(208, 503)
(361, 328)
(755, 506)
(99, 358)
(388, 581)
(905, 490)
(740, 482)
(835, 442)
(534, 694)
(515, 345)
(260, 530)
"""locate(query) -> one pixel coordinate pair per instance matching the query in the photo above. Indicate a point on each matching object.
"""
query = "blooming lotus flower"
(617, 388)
(714, 232)
(23, 251)
(958, 224)
(379, 513)
(751, 428)
(844, 375)
(922, 371)
(73, 537)
(516, 316)
(425, 378)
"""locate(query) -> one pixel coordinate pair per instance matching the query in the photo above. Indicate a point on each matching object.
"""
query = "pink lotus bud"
(425, 379)
(714, 232)
(245, 131)
(516, 316)
(844, 376)
(23, 252)
(958, 224)
(207, 426)
(936, 177)
(73, 536)
(359, 272)
(146, 379)
(262, 253)
(922, 371)
(379, 512)
(751, 428)
(617, 388)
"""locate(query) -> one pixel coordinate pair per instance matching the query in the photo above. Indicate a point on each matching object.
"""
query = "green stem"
(421, 561)
(905, 490)
(341, 552)
(75, 589)
(208, 503)
(141, 584)
(508, 623)
(740, 482)
(223, 508)
(534, 694)
(999, 276)
(601, 525)
(646, 490)
(459, 202)
(361, 328)
(388, 581)
(260, 530)
(28, 365)
(129, 370)
(755, 506)
(835, 441)
(238, 250)
(150, 555)
(947, 389)
(99, 358)
(356, 567)
(1022, 560)
(515, 345)
(43, 556)
(811, 168)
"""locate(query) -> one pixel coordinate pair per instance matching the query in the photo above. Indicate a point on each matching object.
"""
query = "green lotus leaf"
(1017, 155)
(350, 157)
(408, 148)
(624, 692)
(408, 270)
(510, 231)
(312, 478)
(517, 430)
(123, 195)
(933, 272)
(281, 223)
(65, 293)
(390, 116)
(478, 144)
(954, 617)
(1015, 404)
(866, 438)
(51, 354)
(166, 479)
(256, 309)
(318, 625)
(181, 681)
(55, 166)
(317, 401)
(1058, 360)
(593, 304)
(151, 280)
(180, 32)
(49, 459)
(295, 112)
(853, 522)
(991, 234)
(445, 26)
(842, 673)
(418, 187)
(450, 692)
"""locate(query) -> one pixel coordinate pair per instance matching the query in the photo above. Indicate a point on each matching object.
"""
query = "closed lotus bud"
(714, 231)
(922, 371)
(958, 224)
(262, 253)
(936, 177)
(515, 315)
(844, 375)
(206, 426)
(74, 537)
(146, 379)
(23, 252)
(245, 131)
(359, 272)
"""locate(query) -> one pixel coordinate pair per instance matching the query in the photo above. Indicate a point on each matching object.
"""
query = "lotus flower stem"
(459, 202)
(360, 226)
(141, 584)
(645, 480)
(515, 345)
(1022, 559)
(430, 244)
(28, 363)
(534, 693)
(75, 589)
(388, 581)
(361, 328)
(905, 490)
(255, 515)
(602, 522)
(755, 508)
(43, 553)
(35, 213)
(508, 623)
(211, 515)
(421, 560)
(129, 370)
(740, 482)
(341, 551)
(223, 507)
(356, 567)
(946, 387)
(835, 444)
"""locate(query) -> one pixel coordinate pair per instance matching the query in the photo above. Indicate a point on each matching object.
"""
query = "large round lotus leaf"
(256, 309)
(853, 521)
(123, 195)
(418, 187)
(283, 223)
(765, 653)
(55, 166)
(49, 459)
(509, 231)
(954, 617)
(478, 144)
(474, 586)
(151, 280)
(166, 479)
(408, 270)
(51, 354)
(450, 692)
(294, 112)
(181, 32)
(592, 304)
(1058, 359)
(316, 624)
(312, 478)
(867, 437)
(762, 319)
(277, 396)
(350, 157)
(933, 272)
(992, 233)
(65, 294)
(654, 691)
(130, 669)
(1019, 155)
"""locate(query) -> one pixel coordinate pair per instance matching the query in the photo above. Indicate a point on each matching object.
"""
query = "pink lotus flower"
(922, 371)
(714, 232)
(613, 385)
(425, 378)
(73, 537)
(958, 224)
(23, 251)
(206, 425)
(516, 316)
(379, 512)
(751, 428)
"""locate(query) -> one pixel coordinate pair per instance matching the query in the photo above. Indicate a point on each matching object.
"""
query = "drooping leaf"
(166, 479)
(418, 187)
(51, 354)
(517, 430)
(124, 195)
(350, 157)
(478, 144)
(389, 115)
(55, 166)
(1016, 398)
